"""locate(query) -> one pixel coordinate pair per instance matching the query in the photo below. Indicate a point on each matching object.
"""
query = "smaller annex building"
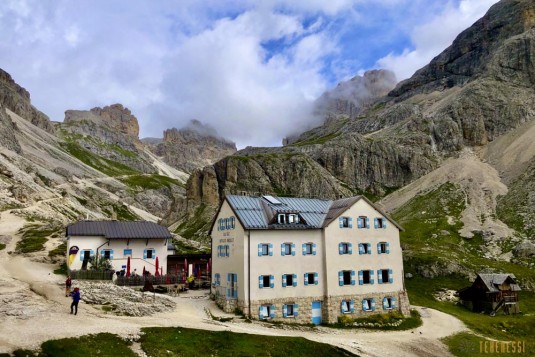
(306, 260)
(116, 241)
(492, 292)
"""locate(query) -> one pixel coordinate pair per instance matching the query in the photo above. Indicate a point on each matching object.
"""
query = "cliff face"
(478, 89)
(192, 147)
(17, 99)
(111, 132)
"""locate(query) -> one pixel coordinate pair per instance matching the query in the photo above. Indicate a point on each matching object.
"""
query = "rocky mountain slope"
(194, 146)
(439, 133)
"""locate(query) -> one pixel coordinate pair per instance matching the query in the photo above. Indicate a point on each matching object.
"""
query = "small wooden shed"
(492, 292)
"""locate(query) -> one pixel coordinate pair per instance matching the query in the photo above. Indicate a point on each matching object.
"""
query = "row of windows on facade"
(226, 223)
(346, 307)
(287, 249)
(149, 253)
(362, 222)
(345, 277)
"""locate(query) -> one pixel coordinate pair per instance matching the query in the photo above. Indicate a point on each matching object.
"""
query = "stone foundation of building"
(330, 306)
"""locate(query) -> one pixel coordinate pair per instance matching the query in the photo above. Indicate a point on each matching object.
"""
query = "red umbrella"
(157, 267)
(209, 265)
(144, 270)
(128, 267)
(185, 269)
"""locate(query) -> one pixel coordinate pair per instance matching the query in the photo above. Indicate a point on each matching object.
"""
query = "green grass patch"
(102, 344)
(195, 226)
(392, 321)
(61, 270)
(123, 213)
(164, 341)
(33, 238)
(60, 250)
(106, 166)
(150, 181)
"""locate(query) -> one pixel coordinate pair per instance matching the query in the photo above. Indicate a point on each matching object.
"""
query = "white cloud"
(431, 38)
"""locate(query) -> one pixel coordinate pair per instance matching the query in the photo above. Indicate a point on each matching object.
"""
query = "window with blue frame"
(366, 277)
(107, 254)
(379, 223)
(149, 253)
(290, 310)
(265, 249)
(287, 249)
(368, 304)
(363, 222)
(365, 248)
(266, 281)
(217, 279)
(345, 248)
(127, 253)
(389, 303)
(266, 312)
(347, 306)
(309, 248)
(346, 277)
(311, 279)
(383, 248)
(289, 280)
(385, 276)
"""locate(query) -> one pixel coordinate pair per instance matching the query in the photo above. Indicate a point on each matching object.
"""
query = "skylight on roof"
(272, 200)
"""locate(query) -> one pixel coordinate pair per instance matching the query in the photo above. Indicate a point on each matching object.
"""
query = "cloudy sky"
(249, 68)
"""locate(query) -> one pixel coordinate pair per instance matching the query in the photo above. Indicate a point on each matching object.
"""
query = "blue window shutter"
(368, 222)
(384, 223)
(102, 254)
(271, 281)
(316, 280)
(218, 251)
(343, 306)
(365, 306)
(313, 248)
(82, 255)
(235, 291)
(385, 301)
(233, 222)
(350, 222)
(260, 281)
(341, 278)
(350, 248)
(373, 304)
(270, 249)
(296, 308)
(228, 250)
(282, 250)
(284, 311)
(293, 249)
(144, 254)
(361, 278)
(340, 248)
(218, 228)
(361, 248)
(369, 248)
(259, 249)
(283, 280)
(387, 248)
(359, 223)
(352, 277)
(228, 292)
(272, 315)
(306, 279)
(341, 222)
(378, 248)
(371, 277)
(390, 276)
(393, 302)
(91, 253)
(228, 277)
(111, 254)
(304, 246)
(294, 280)
(261, 312)
(376, 223)
(153, 253)
(379, 277)
(352, 306)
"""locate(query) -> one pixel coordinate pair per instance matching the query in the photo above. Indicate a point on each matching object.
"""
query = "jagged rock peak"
(351, 96)
(195, 130)
(17, 99)
(115, 116)
(471, 53)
